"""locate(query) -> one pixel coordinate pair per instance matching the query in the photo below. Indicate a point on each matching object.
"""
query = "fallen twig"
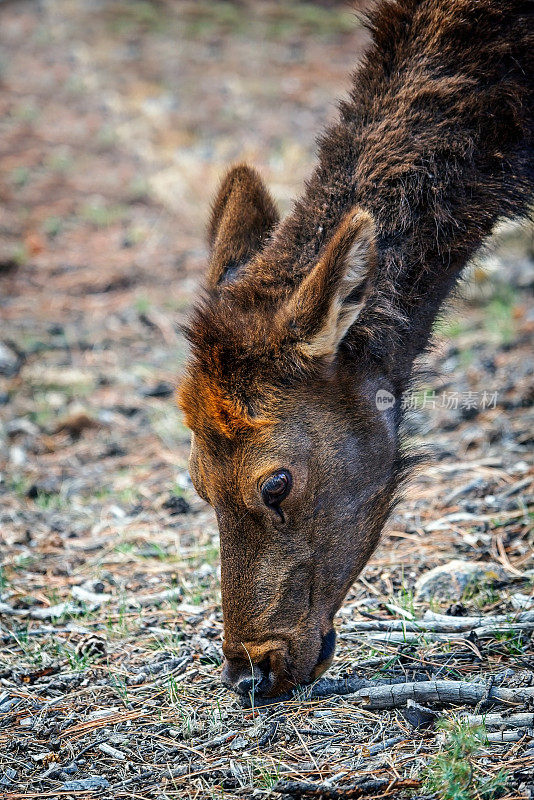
(385, 745)
(440, 623)
(442, 692)
(506, 736)
(525, 720)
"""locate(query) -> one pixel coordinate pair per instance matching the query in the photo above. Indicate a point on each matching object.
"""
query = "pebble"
(239, 743)
(17, 456)
(519, 601)
(183, 480)
(8, 777)
(161, 389)
(450, 580)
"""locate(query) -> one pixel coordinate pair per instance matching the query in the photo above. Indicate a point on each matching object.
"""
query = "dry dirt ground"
(116, 121)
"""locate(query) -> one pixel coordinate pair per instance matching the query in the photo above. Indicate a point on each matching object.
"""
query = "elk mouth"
(256, 681)
(258, 684)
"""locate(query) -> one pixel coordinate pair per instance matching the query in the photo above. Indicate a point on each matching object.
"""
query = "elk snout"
(255, 668)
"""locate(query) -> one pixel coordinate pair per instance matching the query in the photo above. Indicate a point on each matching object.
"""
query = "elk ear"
(331, 296)
(243, 214)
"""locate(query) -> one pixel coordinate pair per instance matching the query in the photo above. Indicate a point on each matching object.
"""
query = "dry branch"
(501, 720)
(403, 637)
(441, 692)
(440, 623)
(505, 736)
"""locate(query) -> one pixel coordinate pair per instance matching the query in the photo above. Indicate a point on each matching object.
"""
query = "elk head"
(288, 444)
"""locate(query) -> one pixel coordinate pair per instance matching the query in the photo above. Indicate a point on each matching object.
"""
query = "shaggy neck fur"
(435, 141)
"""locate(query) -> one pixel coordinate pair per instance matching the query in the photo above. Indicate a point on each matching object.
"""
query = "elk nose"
(245, 679)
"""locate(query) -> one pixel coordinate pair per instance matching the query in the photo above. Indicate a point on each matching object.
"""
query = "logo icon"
(384, 400)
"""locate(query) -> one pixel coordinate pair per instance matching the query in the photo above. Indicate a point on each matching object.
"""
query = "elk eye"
(276, 488)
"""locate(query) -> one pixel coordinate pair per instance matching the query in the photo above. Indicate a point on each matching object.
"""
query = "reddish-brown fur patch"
(205, 405)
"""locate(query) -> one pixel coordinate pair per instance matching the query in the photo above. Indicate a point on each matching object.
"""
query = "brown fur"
(304, 321)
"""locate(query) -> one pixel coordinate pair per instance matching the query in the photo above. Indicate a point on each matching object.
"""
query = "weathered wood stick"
(89, 599)
(403, 636)
(385, 745)
(501, 720)
(395, 693)
(327, 792)
(475, 622)
(324, 687)
(440, 623)
(505, 736)
(442, 692)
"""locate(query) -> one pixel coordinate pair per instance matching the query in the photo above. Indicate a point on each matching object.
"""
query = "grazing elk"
(303, 322)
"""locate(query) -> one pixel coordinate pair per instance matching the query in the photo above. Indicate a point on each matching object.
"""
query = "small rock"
(183, 480)
(7, 704)
(17, 455)
(176, 504)
(86, 784)
(91, 585)
(520, 468)
(8, 777)
(21, 425)
(450, 580)
(118, 512)
(204, 571)
(520, 601)
(56, 400)
(53, 771)
(9, 361)
(239, 743)
(161, 389)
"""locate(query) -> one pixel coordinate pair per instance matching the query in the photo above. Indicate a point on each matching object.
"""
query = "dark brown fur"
(304, 321)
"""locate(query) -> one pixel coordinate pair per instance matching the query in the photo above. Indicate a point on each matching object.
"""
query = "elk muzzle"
(267, 669)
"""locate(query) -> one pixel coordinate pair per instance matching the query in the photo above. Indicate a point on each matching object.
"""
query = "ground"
(117, 120)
